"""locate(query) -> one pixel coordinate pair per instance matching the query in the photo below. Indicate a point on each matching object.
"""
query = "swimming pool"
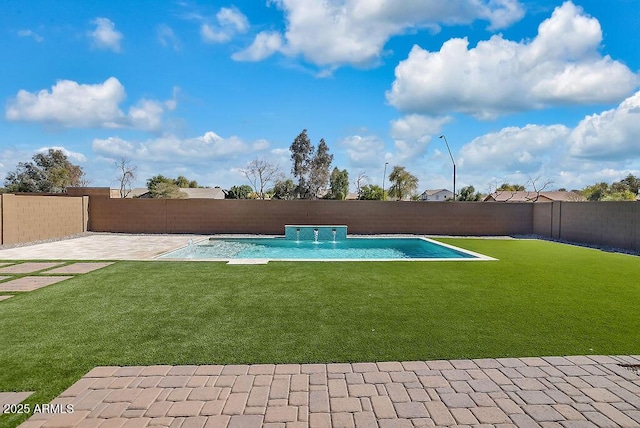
(277, 248)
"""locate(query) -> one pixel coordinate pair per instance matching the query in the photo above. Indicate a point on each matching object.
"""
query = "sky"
(524, 91)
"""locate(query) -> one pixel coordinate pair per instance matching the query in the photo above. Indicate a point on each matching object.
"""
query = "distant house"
(438, 195)
(351, 196)
(527, 196)
(192, 192)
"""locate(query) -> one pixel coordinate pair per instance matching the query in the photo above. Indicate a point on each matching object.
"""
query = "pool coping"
(262, 261)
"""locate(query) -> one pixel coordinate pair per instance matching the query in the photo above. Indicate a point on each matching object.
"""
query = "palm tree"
(403, 183)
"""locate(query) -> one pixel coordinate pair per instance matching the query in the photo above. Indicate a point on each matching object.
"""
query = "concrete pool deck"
(107, 246)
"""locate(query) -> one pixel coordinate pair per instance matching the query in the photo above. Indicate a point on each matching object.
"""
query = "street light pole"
(384, 175)
(454, 166)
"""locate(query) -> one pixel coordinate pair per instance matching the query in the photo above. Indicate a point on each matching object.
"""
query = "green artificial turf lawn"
(539, 298)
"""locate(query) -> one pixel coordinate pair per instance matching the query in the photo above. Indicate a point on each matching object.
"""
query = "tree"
(260, 174)
(506, 187)
(338, 184)
(360, 182)
(625, 195)
(239, 192)
(538, 187)
(182, 182)
(49, 172)
(371, 192)
(284, 189)
(158, 179)
(319, 172)
(403, 183)
(166, 190)
(301, 153)
(125, 176)
(632, 183)
(162, 187)
(469, 194)
(311, 170)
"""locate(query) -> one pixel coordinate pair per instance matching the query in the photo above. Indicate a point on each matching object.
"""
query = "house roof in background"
(434, 191)
(192, 192)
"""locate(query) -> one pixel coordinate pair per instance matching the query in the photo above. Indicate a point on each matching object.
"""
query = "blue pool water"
(350, 248)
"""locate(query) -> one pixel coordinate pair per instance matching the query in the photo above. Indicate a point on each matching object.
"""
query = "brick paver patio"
(593, 391)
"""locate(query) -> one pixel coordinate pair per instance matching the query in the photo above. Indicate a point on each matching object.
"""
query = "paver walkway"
(593, 391)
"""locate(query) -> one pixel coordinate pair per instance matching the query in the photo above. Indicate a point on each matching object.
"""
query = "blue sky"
(523, 90)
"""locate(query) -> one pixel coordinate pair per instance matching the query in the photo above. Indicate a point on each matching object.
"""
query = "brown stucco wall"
(92, 191)
(27, 218)
(615, 224)
(269, 217)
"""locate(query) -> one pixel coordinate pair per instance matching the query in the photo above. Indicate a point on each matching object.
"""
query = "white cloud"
(207, 148)
(210, 34)
(232, 18)
(512, 149)
(167, 38)
(230, 21)
(146, 114)
(363, 151)
(412, 135)
(105, 35)
(73, 105)
(613, 134)
(354, 32)
(417, 127)
(562, 65)
(263, 46)
(602, 147)
(73, 156)
(29, 33)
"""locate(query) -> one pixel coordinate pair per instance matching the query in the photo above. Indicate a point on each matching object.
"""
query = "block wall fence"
(26, 218)
(269, 217)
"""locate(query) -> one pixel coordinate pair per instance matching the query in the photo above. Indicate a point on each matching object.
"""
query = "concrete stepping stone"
(2, 278)
(30, 283)
(79, 268)
(29, 267)
(5, 264)
(7, 398)
(5, 298)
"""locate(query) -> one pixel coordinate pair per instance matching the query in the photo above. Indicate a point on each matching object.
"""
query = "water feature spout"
(315, 235)
(333, 232)
(298, 235)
